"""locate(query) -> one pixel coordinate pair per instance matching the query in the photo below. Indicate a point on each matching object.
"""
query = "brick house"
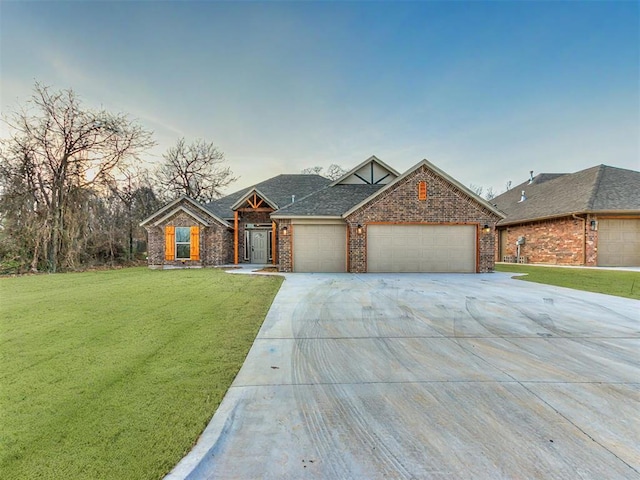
(590, 218)
(372, 219)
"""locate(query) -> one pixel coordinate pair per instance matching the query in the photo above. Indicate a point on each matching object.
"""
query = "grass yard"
(114, 374)
(611, 282)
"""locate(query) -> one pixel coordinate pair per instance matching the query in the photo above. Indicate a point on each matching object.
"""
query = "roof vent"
(530, 177)
(523, 197)
(293, 198)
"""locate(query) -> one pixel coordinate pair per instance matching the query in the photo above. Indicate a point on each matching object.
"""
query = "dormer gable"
(372, 171)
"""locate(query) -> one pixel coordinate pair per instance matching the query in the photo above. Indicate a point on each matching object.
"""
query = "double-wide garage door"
(421, 248)
(619, 242)
(319, 248)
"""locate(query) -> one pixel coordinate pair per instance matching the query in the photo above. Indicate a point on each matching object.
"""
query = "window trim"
(188, 243)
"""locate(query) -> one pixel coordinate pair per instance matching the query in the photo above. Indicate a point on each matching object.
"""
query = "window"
(183, 243)
(247, 233)
(270, 246)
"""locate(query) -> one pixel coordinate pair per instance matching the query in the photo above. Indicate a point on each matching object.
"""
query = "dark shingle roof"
(599, 188)
(330, 201)
(278, 189)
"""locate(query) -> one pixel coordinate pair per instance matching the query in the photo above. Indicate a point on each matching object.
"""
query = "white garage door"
(319, 248)
(421, 248)
(619, 243)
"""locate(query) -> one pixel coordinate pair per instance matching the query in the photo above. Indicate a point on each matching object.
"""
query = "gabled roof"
(331, 201)
(249, 194)
(439, 172)
(597, 189)
(279, 190)
(197, 211)
(372, 171)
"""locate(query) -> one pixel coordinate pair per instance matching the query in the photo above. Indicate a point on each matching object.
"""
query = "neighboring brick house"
(590, 218)
(372, 219)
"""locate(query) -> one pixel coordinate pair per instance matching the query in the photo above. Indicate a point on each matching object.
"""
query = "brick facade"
(285, 246)
(445, 204)
(558, 241)
(216, 242)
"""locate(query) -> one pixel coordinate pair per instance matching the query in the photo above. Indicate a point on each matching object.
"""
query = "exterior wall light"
(486, 229)
(594, 225)
(359, 229)
(285, 231)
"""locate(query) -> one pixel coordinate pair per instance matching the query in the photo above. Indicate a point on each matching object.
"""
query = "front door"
(259, 246)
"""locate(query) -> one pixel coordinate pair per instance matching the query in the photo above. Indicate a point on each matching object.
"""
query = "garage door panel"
(619, 242)
(319, 248)
(421, 248)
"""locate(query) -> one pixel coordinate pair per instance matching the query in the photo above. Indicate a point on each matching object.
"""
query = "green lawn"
(611, 282)
(114, 374)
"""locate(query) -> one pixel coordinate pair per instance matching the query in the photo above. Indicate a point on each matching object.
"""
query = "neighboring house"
(372, 219)
(591, 217)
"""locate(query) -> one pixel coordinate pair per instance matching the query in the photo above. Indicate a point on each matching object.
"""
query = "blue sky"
(485, 90)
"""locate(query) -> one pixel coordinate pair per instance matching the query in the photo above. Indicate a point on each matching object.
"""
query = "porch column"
(235, 237)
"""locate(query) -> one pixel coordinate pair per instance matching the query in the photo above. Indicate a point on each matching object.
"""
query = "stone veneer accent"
(557, 241)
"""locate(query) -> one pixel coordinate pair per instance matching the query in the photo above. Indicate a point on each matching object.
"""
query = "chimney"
(523, 197)
(531, 177)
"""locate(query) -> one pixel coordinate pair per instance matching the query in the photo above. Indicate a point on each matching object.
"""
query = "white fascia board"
(171, 209)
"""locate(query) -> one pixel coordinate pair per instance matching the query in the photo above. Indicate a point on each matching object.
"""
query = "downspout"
(584, 238)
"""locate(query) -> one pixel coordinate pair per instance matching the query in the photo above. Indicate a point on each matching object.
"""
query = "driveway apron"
(431, 376)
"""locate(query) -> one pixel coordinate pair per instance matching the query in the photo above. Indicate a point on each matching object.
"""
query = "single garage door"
(319, 248)
(619, 243)
(421, 248)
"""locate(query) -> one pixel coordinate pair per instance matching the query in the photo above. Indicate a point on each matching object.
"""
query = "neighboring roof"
(278, 189)
(331, 201)
(597, 189)
(384, 171)
(177, 205)
(439, 172)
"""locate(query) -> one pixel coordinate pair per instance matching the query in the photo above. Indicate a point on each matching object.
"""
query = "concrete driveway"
(431, 376)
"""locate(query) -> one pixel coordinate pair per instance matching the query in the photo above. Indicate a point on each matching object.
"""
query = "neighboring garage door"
(319, 248)
(619, 243)
(421, 248)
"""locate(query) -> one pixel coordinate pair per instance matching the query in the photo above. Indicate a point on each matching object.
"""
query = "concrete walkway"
(431, 376)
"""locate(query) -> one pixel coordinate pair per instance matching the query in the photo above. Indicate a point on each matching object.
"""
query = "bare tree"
(333, 172)
(490, 194)
(196, 170)
(57, 152)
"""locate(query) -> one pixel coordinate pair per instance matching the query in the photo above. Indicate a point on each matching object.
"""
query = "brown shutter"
(195, 243)
(169, 242)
